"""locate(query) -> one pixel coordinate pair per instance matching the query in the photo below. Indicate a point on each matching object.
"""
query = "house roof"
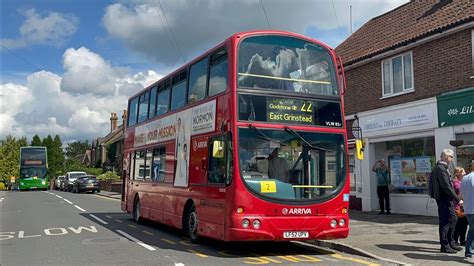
(408, 23)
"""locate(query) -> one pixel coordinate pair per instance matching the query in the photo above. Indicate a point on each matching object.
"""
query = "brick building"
(112, 142)
(410, 84)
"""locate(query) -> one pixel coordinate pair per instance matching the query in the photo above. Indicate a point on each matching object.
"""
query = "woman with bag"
(459, 234)
(383, 183)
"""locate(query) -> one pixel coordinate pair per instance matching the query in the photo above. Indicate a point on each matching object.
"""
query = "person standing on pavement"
(461, 224)
(383, 180)
(444, 194)
(467, 191)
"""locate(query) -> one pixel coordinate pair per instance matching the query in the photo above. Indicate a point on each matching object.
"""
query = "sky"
(67, 64)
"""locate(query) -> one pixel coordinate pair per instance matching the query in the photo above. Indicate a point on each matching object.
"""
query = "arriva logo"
(286, 211)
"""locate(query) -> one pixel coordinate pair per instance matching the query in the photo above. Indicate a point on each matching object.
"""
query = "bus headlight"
(21, 183)
(43, 182)
(333, 223)
(245, 223)
(342, 222)
(256, 224)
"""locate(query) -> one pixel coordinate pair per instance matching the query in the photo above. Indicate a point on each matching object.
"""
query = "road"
(61, 228)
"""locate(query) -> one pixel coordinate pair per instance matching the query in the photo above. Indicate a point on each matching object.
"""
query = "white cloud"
(51, 29)
(47, 106)
(198, 25)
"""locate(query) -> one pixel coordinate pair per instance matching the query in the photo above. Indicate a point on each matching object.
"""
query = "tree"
(36, 141)
(56, 157)
(10, 156)
(76, 148)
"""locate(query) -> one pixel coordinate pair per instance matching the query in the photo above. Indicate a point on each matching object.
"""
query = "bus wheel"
(192, 223)
(136, 211)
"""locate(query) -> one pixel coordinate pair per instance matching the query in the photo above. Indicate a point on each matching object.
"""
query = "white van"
(69, 179)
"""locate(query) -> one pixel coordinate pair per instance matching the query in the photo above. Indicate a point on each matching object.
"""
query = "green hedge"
(108, 175)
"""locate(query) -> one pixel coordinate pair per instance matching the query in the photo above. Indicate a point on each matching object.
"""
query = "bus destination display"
(290, 111)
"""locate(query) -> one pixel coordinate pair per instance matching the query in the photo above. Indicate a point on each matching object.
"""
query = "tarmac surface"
(396, 238)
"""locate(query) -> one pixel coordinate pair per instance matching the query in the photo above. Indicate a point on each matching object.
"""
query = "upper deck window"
(197, 81)
(286, 63)
(178, 92)
(143, 107)
(132, 112)
(218, 74)
(151, 112)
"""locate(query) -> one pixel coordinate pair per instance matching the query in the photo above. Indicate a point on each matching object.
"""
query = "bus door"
(213, 206)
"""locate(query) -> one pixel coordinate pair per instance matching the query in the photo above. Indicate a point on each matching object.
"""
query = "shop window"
(411, 162)
(465, 152)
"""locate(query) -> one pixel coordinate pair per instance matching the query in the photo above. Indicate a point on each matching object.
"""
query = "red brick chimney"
(113, 121)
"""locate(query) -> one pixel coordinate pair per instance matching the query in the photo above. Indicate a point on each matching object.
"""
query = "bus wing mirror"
(360, 149)
(218, 149)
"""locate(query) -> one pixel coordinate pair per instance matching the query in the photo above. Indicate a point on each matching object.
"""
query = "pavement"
(395, 239)
(108, 194)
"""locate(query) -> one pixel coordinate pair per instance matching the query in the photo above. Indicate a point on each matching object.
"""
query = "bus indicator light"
(240, 210)
(344, 210)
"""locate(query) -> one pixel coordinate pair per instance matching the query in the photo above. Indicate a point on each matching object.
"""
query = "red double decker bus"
(245, 143)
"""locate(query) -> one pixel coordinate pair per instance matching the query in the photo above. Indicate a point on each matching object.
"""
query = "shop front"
(456, 124)
(404, 136)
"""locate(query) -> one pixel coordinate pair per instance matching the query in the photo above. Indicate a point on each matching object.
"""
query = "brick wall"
(438, 66)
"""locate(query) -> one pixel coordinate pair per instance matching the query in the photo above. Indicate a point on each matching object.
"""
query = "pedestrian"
(444, 194)
(460, 229)
(383, 180)
(467, 191)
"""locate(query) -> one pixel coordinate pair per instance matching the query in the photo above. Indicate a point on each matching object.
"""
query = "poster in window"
(410, 172)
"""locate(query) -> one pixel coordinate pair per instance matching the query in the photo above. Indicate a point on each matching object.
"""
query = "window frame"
(216, 62)
(390, 61)
(146, 96)
(176, 80)
(207, 72)
(137, 98)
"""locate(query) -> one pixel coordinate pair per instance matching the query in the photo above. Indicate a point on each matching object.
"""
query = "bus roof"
(233, 37)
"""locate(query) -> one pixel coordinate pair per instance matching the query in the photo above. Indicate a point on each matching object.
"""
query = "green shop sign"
(455, 108)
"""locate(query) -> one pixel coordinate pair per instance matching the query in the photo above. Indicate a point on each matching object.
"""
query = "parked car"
(86, 183)
(57, 182)
(69, 179)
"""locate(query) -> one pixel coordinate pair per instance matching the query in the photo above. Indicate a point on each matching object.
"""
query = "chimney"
(113, 121)
(124, 120)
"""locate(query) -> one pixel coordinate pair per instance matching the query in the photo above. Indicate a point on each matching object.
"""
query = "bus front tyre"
(192, 223)
(136, 211)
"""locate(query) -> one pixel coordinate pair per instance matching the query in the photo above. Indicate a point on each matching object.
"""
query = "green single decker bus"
(33, 168)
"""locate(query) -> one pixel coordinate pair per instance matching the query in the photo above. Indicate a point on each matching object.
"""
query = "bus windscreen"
(286, 63)
(290, 165)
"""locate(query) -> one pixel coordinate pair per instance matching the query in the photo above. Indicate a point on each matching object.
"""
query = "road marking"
(1, 199)
(118, 221)
(57, 196)
(202, 255)
(339, 256)
(108, 216)
(98, 219)
(187, 243)
(148, 233)
(169, 241)
(68, 201)
(79, 208)
(131, 225)
(136, 240)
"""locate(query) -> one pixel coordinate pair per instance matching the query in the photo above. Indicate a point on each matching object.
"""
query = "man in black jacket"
(444, 194)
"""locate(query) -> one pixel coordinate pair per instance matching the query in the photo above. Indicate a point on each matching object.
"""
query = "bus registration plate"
(295, 234)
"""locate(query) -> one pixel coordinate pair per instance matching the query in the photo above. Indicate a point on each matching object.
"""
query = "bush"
(108, 175)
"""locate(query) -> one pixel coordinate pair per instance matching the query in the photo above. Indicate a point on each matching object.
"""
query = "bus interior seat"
(262, 165)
